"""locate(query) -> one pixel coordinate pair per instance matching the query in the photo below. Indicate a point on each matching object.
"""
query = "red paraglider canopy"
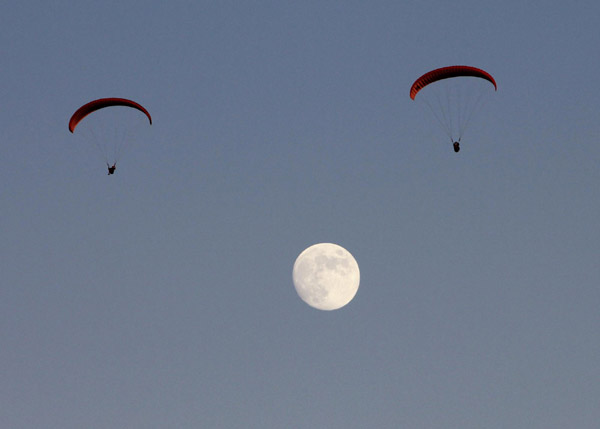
(448, 72)
(92, 106)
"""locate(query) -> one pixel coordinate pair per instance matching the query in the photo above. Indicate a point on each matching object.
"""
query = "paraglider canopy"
(448, 72)
(453, 94)
(92, 106)
(112, 129)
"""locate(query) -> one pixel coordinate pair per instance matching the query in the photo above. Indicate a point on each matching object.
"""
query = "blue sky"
(162, 296)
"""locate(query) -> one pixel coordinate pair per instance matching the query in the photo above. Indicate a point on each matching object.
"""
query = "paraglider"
(452, 99)
(111, 150)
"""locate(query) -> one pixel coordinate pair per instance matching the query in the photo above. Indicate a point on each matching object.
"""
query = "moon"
(326, 276)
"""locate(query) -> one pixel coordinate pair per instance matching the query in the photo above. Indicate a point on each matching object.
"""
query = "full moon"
(326, 276)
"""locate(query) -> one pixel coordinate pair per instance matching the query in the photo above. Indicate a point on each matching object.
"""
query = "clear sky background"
(162, 296)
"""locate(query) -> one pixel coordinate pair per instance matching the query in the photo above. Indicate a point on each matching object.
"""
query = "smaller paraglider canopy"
(92, 106)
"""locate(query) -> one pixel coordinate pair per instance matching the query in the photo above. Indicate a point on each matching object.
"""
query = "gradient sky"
(162, 296)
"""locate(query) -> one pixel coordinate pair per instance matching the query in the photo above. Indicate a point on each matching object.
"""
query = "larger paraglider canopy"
(448, 72)
(92, 106)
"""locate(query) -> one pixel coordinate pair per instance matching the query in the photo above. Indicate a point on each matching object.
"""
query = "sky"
(162, 296)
